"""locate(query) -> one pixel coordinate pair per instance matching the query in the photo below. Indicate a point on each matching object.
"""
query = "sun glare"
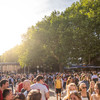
(16, 16)
(15, 19)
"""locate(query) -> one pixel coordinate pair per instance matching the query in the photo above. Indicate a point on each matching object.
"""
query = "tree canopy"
(62, 38)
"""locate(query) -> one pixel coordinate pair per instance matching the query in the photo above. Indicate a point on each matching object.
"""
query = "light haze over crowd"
(16, 16)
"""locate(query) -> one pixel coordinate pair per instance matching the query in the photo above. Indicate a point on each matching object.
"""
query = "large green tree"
(71, 34)
(63, 37)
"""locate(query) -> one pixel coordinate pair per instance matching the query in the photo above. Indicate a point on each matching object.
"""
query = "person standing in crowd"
(26, 86)
(3, 84)
(97, 90)
(70, 88)
(34, 95)
(58, 86)
(39, 85)
(7, 94)
(65, 79)
(94, 77)
(1, 96)
(91, 88)
(69, 80)
(34, 80)
(76, 80)
(11, 82)
(47, 88)
(50, 81)
(83, 92)
(0, 77)
(20, 85)
(31, 80)
(86, 81)
(99, 78)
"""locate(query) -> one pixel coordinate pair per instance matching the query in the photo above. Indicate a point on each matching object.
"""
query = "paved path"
(53, 95)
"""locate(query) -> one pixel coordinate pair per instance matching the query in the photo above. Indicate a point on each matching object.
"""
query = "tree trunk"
(89, 60)
(61, 67)
(28, 69)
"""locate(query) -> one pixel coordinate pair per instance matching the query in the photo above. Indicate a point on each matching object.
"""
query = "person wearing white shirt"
(94, 77)
(42, 88)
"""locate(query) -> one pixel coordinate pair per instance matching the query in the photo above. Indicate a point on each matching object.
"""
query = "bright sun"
(16, 16)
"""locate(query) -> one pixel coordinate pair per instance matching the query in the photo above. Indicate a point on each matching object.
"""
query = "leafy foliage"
(63, 37)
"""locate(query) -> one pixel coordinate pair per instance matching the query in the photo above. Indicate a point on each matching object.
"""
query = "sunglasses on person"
(84, 87)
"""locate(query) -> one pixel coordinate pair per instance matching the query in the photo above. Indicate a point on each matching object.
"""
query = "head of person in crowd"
(57, 77)
(92, 84)
(19, 81)
(91, 88)
(20, 85)
(23, 79)
(40, 79)
(31, 80)
(75, 75)
(34, 80)
(34, 95)
(4, 84)
(61, 77)
(71, 88)
(26, 84)
(97, 88)
(74, 96)
(70, 80)
(94, 73)
(20, 96)
(82, 87)
(7, 94)
(84, 77)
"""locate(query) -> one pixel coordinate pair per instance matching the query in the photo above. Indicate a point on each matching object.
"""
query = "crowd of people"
(72, 85)
(79, 86)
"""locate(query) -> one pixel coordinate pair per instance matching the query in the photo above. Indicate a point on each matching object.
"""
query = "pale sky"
(16, 16)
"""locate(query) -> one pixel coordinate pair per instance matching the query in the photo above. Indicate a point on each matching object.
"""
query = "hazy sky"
(16, 16)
